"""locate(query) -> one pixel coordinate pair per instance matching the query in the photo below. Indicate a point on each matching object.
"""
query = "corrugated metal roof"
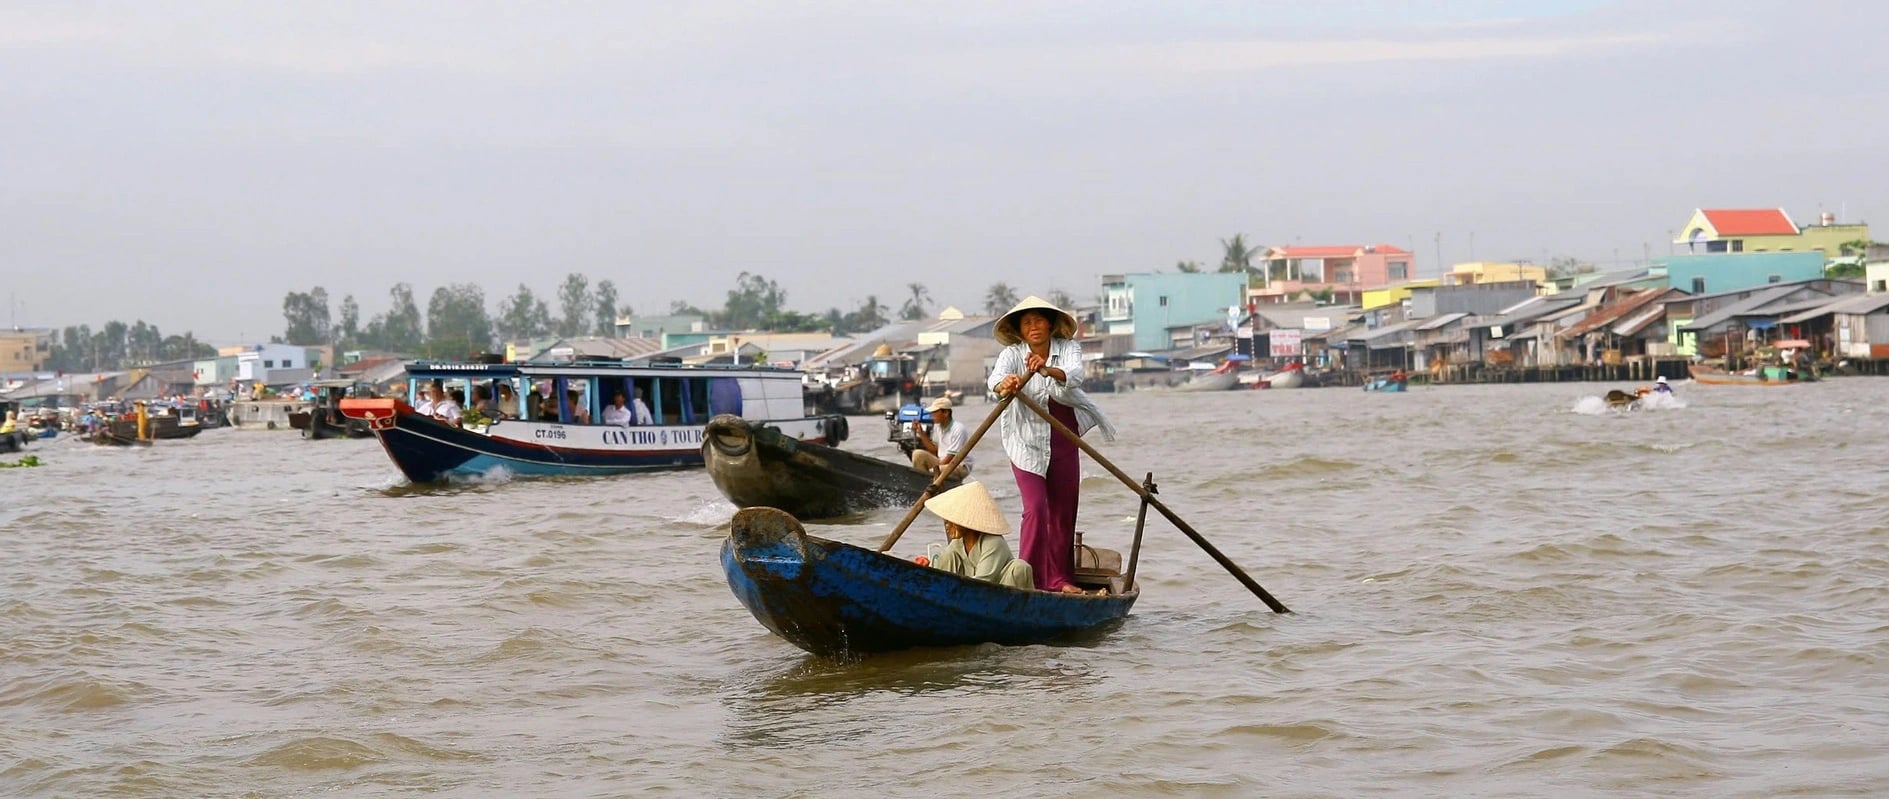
(1638, 322)
(1754, 305)
(1442, 321)
(1533, 308)
(1854, 304)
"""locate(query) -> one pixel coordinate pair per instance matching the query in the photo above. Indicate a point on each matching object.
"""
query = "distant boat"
(1396, 382)
(1761, 376)
(837, 600)
(754, 464)
(1210, 381)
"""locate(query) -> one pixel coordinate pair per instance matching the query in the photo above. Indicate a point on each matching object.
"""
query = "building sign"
(1317, 324)
(1285, 343)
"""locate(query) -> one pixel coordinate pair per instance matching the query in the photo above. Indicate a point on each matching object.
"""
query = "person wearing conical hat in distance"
(1040, 338)
(976, 527)
(945, 450)
(1660, 386)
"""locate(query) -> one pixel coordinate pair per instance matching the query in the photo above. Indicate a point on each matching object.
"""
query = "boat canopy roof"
(460, 369)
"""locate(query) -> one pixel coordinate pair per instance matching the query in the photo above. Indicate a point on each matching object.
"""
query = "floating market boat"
(1760, 376)
(755, 464)
(836, 599)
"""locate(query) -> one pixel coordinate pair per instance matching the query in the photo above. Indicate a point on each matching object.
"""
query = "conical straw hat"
(970, 506)
(1061, 323)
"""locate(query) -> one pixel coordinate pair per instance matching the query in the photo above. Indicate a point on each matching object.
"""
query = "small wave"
(76, 693)
(318, 753)
(711, 514)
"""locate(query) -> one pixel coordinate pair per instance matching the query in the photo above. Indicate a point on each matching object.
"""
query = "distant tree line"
(79, 348)
(456, 322)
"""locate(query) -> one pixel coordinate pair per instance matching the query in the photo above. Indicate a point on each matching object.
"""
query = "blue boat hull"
(428, 451)
(1384, 385)
(835, 599)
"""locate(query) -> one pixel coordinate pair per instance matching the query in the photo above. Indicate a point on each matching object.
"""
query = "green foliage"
(605, 304)
(457, 325)
(1239, 255)
(523, 316)
(999, 298)
(914, 308)
(752, 303)
(23, 463)
(307, 317)
(1188, 267)
(575, 301)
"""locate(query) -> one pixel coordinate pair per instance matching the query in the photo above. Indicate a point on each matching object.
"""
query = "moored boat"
(323, 418)
(1394, 382)
(1759, 376)
(547, 418)
(1291, 376)
(836, 599)
(1210, 381)
(756, 465)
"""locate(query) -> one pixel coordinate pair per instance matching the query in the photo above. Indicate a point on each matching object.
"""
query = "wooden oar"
(938, 479)
(1146, 496)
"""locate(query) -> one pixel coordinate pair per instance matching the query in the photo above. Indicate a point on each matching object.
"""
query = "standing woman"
(1041, 338)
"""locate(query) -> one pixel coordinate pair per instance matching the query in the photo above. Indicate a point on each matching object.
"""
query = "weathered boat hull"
(1385, 384)
(1290, 378)
(1768, 376)
(13, 442)
(837, 600)
(756, 465)
(1209, 381)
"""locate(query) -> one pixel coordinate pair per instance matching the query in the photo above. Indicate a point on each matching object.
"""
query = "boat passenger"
(618, 414)
(1042, 358)
(482, 402)
(641, 409)
(445, 408)
(424, 404)
(580, 409)
(976, 527)
(1660, 386)
(947, 451)
(507, 401)
(10, 425)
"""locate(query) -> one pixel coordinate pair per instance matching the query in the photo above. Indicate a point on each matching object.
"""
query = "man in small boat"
(976, 527)
(1660, 386)
(945, 450)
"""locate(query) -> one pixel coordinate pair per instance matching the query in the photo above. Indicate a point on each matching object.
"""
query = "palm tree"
(914, 307)
(999, 299)
(1239, 257)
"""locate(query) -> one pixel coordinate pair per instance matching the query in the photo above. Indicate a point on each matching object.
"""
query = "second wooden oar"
(1225, 563)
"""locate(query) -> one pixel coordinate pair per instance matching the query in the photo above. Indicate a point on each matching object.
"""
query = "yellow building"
(1392, 295)
(1494, 272)
(1721, 230)
(24, 350)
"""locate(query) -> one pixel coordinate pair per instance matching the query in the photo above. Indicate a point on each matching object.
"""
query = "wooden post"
(1141, 522)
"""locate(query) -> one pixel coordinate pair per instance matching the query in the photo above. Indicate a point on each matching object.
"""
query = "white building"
(255, 364)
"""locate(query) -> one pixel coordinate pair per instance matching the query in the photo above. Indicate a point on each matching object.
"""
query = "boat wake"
(1599, 406)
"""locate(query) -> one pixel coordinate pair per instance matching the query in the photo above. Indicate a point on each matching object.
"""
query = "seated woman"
(976, 527)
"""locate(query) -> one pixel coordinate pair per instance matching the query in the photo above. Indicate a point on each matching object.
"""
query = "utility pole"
(1439, 253)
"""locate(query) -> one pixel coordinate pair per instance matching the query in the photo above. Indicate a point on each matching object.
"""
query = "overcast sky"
(190, 166)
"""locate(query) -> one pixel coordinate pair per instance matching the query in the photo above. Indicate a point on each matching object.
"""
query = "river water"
(1500, 591)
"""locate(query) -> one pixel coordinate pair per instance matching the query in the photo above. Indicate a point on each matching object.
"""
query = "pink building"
(1347, 270)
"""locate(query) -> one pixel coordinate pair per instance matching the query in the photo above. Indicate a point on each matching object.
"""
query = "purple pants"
(1048, 539)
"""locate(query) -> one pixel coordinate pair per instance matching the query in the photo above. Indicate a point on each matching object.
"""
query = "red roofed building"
(1742, 230)
(1347, 270)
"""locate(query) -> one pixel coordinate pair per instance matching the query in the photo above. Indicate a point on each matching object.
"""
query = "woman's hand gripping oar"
(938, 479)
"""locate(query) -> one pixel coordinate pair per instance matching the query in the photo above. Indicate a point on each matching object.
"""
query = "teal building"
(1148, 304)
(1721, 272)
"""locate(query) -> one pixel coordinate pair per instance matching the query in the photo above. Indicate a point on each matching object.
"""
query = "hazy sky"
(192, 165)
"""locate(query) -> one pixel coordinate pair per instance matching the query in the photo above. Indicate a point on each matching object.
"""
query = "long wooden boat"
(1292, 376)
(1762, 376)
(836, 599)
(754, 464)
(546, 434)
(106, 436)
(15, 440)
(323, 419)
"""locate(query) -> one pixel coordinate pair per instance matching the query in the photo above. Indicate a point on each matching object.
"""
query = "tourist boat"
(1760, 376)
(754, 464)
(839, 600)
(544, 428)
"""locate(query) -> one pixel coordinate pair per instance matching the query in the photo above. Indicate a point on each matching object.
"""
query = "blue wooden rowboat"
(837, 600)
